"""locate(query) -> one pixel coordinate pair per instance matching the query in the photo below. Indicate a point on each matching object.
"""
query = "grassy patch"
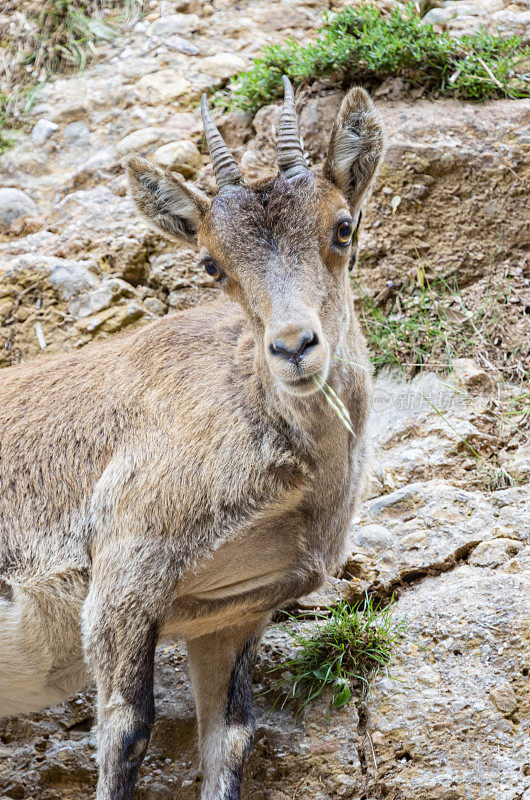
(412, 328)
(363, 44)
(349, 647)
(5, 141)
(63, 34)
(13, 108)
(491, 476)
(425, 322)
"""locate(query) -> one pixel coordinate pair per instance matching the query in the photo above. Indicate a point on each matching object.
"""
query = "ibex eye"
(212, 269)
(344, 233)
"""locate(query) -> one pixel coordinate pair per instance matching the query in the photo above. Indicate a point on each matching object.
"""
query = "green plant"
(13, 109)
(67, 30)
(493, 476)
(419, 325)
(63, 35)
(362, 44)
(5, 142)
(349, 647)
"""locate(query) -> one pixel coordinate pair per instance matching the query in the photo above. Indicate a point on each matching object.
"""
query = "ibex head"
(281, 248)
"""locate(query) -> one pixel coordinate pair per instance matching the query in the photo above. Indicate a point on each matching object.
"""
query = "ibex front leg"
(121, 622)
(221, 667)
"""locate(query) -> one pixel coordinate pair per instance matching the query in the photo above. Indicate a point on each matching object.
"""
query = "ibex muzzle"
(196, 479)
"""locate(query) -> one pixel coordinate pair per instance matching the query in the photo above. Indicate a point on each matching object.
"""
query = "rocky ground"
(446, 522)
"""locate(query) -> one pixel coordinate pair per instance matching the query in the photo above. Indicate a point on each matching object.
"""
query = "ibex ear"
(356, 146)
(164, 201)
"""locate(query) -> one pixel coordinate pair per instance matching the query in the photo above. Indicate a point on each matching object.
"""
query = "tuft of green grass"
(64, 33)
(67, 30)
(425, 322)
(492, 476)
(345, 652)
(419, 324)
(362, 44)
(5, 142)
(14, 106)
(62, 38)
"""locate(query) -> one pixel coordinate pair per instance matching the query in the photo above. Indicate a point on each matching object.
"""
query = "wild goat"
(190, 478)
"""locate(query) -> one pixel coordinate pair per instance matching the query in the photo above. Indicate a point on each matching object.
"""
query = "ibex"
(190, 478)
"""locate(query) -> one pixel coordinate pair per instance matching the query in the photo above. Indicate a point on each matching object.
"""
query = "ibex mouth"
(305, 385)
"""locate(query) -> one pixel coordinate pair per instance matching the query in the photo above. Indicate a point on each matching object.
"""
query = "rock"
(222, 65)
(70, 278)
(235, 127)
(174, 299)
(155, 306)
(503, 697)
(157, 791)
(427, 675)
(183, 156)
(112, 319)
(90, 302)
(392, 89)
(518, 464)
(458, 625)
(495, 552)
(374, 537)
(134, 68)
(35, 242)
(431, 523)
(106, 158)
(69, 112)
(413, 442)
(470, 375)
(43, 130)
(438, 15)
(25, 160)
(182, 125)
(316, 117)
(182, 46)
(253, 167)
(174, 23)
(138, 141)
(188, 6)
(326, 596)
(76, 133)
(90, 203)
(260, 154)
(508, 20)
(163, 86)
(14, 203)
(67, 277)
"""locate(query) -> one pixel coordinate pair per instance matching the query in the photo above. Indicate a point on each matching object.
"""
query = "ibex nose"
(307, 340)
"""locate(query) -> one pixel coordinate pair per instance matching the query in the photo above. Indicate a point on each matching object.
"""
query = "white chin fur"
(304, 388)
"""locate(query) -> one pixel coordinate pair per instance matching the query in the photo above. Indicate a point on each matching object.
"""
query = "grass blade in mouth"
(337, 405)
(352, 363)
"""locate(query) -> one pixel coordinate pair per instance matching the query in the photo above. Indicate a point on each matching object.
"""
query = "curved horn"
(290, 154)
(226, 171)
